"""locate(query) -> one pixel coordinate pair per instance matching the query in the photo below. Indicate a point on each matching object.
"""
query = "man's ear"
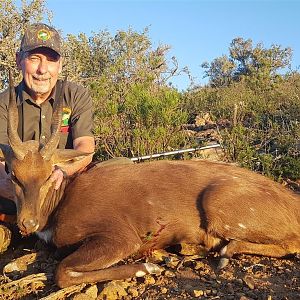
(68, 156)
(65, 157)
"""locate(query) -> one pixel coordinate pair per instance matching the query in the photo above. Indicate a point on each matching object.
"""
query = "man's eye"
(33, 58)
(52, 59)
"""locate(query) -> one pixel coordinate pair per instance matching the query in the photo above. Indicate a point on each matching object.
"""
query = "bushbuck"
(113, 211)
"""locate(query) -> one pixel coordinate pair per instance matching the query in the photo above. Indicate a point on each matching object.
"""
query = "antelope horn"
(12, 122)
(48, 150)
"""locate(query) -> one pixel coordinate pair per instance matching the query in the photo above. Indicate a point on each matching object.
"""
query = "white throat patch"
(45, 235)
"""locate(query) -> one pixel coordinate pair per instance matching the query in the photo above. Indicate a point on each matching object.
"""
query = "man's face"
(40, 68)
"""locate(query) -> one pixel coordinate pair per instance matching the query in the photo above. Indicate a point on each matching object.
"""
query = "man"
(40, 62)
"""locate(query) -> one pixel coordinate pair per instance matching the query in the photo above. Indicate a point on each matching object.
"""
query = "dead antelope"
(114, 211)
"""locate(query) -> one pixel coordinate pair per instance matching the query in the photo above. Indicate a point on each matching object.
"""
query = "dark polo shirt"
(35, 120)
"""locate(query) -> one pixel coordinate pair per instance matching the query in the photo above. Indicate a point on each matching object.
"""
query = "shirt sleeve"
(82, 114)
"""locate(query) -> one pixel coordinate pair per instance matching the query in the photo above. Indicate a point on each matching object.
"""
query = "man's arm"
(84, 144)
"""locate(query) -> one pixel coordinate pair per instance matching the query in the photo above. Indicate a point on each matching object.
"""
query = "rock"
(214, 292)
(199, 265)
(175, 290)
(207, 292)
(187, 273)
(158, 256)
(148, 279)
(248, 280)
(230, 288)
(114, 290)
(5, 238)
(192, 249)
(163, 290)
(133, 292)
(198, 293)
(239, 281)
(20, 264)
(168, 273)
(82, 296)
(92, 291)
(172, 262)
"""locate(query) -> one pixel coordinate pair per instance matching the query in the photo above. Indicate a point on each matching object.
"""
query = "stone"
(248, 280)
(198, 293)
(20, 264)
(114, 290)
(5, 238)
(92, 291)
(168, 273)
(149, 280)
(133, 292)
(82, 296)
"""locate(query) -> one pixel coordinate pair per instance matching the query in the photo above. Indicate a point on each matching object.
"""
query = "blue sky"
(196, 30)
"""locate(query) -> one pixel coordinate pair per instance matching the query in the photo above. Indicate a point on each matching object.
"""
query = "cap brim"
(27, 49)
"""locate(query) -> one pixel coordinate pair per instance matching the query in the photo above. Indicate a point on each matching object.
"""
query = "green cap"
(41, 35)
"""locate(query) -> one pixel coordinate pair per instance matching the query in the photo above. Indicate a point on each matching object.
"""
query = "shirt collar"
(23, 96)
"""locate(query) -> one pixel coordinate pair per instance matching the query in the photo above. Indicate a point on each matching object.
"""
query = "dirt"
(189, 276)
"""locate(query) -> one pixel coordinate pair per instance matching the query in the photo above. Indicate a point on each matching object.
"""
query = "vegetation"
(13, 22)
(262, 105)
(138, 112)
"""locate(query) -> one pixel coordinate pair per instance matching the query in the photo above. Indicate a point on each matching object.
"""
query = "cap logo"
(43, 35)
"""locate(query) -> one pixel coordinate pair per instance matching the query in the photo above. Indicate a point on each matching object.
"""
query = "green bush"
(145, 122)
(264, 134)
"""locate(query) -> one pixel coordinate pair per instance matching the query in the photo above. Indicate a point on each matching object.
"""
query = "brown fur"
(119, 210)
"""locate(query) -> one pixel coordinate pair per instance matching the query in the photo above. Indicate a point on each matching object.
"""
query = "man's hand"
(57, 176)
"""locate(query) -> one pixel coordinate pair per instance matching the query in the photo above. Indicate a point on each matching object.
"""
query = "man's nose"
(43, 66)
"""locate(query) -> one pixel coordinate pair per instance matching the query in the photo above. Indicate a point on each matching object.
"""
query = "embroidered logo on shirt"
(65, 119)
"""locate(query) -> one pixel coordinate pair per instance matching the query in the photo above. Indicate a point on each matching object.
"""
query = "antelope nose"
(30, 224)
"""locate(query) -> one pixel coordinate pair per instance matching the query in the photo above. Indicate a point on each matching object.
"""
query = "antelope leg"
(239, 247)
(95, 260)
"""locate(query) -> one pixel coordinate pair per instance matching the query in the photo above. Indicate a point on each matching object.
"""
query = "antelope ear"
(5, 153)
(68, 156)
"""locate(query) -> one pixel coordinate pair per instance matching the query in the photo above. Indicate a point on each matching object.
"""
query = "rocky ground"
(186, 274)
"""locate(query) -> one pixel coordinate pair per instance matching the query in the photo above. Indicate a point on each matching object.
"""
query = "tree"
(128, 55)
(136, 112)
(13, 23)
(255, 65)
